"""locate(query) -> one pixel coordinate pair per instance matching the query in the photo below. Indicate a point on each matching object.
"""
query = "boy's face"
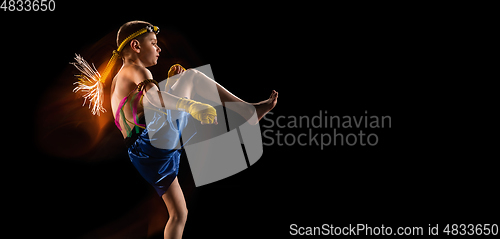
(150, 51)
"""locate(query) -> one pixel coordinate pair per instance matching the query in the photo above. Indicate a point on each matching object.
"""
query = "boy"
(133, 89)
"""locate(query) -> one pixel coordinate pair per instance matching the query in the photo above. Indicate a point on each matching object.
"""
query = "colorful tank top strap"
(124, 119)
(136, 99)
(134, 102)
(117, 115)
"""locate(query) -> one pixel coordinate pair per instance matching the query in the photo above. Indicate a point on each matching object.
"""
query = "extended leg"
(193, 82)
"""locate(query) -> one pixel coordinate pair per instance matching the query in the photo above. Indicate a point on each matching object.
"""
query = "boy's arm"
(153, 95)
(160, 99)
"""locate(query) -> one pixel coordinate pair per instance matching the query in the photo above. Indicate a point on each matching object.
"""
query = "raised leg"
(194, 83)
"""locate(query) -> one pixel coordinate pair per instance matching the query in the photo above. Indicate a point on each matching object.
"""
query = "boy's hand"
(204, 113)
(175, 69)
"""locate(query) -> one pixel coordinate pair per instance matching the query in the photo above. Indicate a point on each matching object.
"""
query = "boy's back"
(125, 82)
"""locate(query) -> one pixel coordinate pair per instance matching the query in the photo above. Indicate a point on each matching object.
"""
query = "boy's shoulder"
(135, 73)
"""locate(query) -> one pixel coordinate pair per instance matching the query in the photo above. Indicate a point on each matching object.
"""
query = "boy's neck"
(132, 61)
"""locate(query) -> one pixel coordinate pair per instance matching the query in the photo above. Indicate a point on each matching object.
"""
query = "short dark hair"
(128, 28)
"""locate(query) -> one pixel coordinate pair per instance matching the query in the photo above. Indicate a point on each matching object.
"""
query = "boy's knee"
(190, 72)
(188, 75)
(180, 216)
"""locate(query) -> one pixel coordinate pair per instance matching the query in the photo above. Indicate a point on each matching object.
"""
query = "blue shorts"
(159, 165)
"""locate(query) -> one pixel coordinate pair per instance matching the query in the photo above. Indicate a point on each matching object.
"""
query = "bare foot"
(267, 105)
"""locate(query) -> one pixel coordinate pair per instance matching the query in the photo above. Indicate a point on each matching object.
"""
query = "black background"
(431, 166)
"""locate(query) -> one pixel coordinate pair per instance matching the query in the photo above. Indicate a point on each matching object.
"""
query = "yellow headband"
(116, 53)
(91, 82)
